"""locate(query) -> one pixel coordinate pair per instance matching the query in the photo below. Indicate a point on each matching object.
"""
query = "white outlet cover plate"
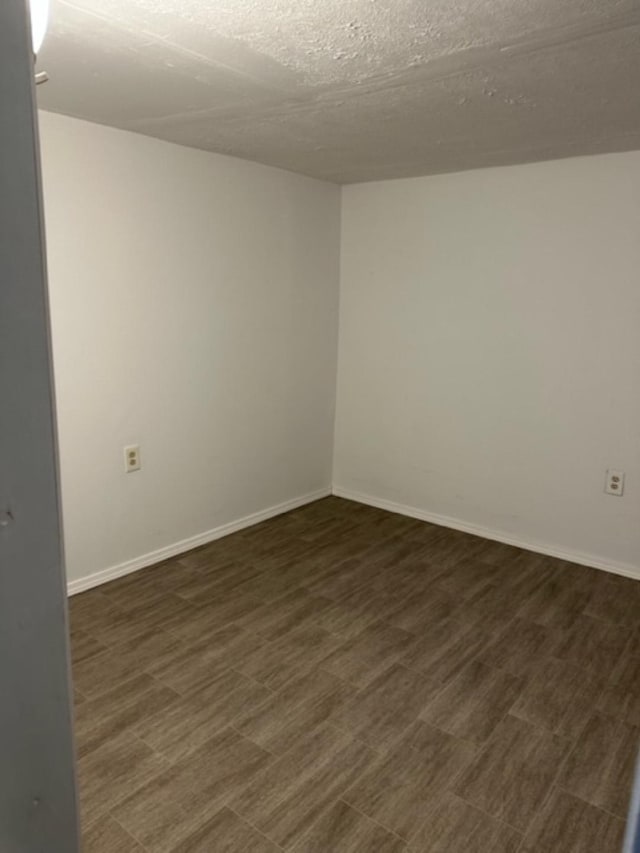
(614, 484)
(132, 458)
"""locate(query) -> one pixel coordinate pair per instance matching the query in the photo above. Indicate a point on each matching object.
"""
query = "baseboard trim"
(145, 560)
(625, 569)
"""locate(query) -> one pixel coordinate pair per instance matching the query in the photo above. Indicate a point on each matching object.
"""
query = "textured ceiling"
(355, 90)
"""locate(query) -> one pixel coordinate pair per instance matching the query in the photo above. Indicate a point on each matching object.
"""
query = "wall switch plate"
(132, 458)
(614, 484)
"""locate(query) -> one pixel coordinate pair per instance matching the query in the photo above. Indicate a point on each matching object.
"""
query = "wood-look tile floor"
(342, 679)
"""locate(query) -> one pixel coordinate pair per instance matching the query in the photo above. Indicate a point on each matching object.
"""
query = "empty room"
(336, 314)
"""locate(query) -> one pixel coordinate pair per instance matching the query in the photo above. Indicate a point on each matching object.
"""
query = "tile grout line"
(572, 743)
(592, 805)
(248, 822)
(373, 820)
(126, 831)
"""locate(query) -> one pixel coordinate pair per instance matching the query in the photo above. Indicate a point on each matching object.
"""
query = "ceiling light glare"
(39, 22)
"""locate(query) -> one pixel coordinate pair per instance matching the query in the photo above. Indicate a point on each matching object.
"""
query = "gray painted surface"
(37, 788)
(355, 90)
(632, 836)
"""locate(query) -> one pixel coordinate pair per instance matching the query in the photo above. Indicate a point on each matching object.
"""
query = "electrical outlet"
(132, 458)
(614, 484)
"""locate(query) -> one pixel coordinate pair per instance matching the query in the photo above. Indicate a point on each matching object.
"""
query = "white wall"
(194, 306)
(489, 366)
(489, 345)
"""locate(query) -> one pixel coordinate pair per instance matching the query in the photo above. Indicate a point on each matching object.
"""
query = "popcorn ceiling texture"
(359, 89)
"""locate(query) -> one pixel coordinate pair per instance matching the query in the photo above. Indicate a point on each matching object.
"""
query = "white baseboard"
(98, 578)
(145, 560)
(625, 569)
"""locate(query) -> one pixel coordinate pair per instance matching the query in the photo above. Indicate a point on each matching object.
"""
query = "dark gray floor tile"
(511, 777)
(363, 657)
(474, 703)
(226, 833)
(397, 790)
(453, 826)
(559, 697)
(190, 721)
(445, 648)
(302, 705)
(344, 830)
(286, 799)
(379, 713)
(107, 836)
(600, 767)
(519, 647)
(175, 804)
(570, 825)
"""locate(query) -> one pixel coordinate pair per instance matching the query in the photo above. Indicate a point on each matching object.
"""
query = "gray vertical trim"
(632, 836)
(38, 811)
